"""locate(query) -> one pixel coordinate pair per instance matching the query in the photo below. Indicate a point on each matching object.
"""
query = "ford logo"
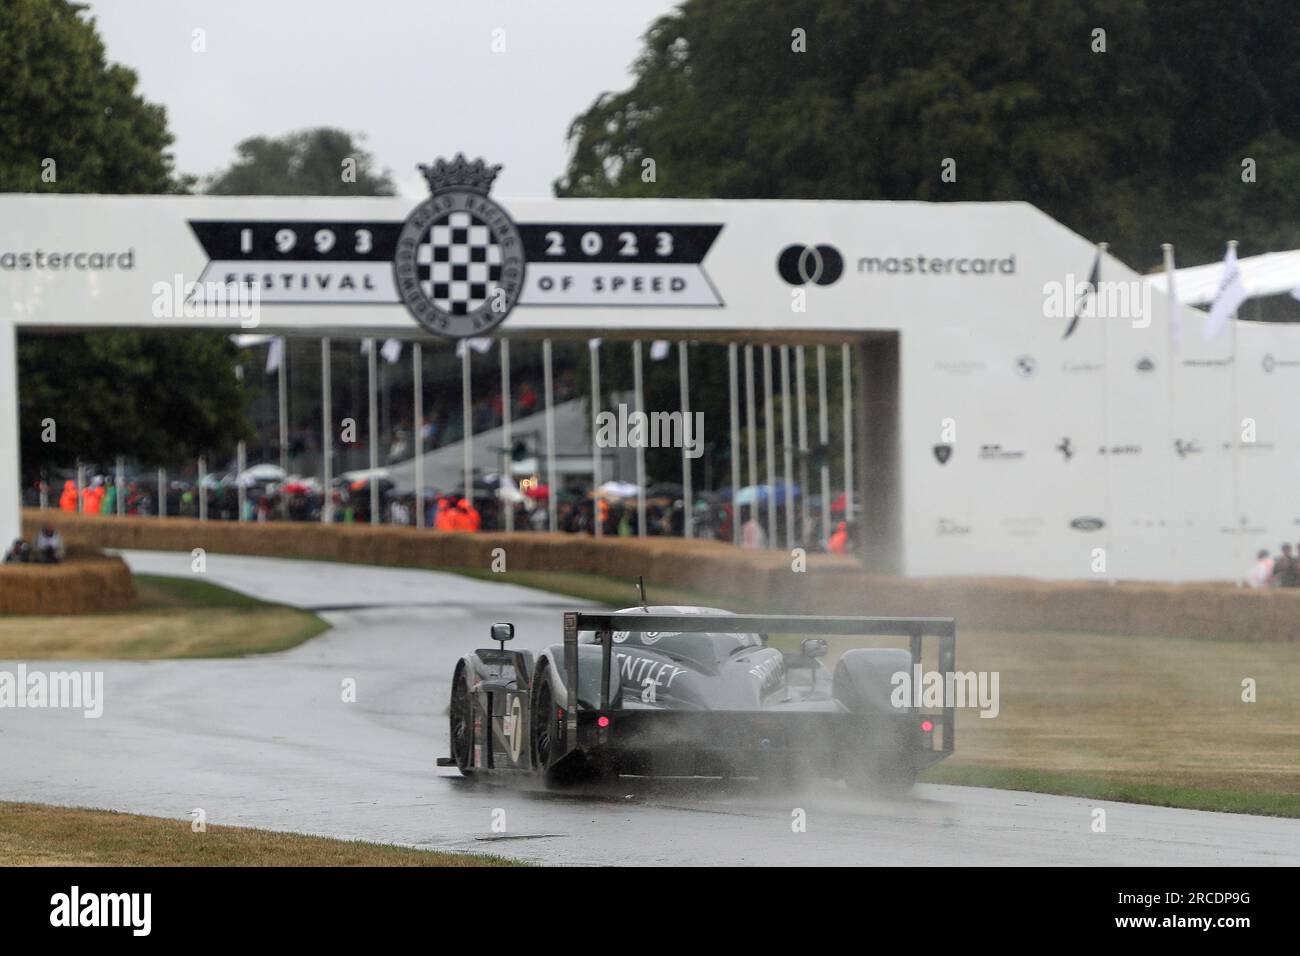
(1087, 524)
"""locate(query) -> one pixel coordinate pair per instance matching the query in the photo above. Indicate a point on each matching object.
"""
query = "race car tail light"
(602, 721)
(927, 726)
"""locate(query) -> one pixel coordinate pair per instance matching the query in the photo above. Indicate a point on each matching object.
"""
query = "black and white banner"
(568, 264)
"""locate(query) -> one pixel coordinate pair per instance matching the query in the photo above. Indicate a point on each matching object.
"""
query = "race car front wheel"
(544, 721)
(462, 724)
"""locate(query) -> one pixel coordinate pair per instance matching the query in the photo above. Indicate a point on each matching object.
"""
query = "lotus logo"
(1145, 364)
(1087, 524)
(1025, 366)
(942, 453)
(1065, 448)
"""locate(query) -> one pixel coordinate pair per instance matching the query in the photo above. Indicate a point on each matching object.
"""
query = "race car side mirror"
(814, 647)
(502, 633)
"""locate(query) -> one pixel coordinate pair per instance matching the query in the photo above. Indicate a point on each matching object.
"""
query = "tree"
(1136, 145)
(305, 163)
(156, 396)
(160, 397)
(62, 101)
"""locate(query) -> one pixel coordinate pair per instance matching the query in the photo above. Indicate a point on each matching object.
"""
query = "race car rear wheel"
(548, 742)
(544, 722)
(461, 727)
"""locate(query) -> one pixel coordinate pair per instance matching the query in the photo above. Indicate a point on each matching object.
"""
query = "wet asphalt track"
(267, 742)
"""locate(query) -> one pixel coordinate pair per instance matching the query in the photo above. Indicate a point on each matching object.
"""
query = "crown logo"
(460, 174)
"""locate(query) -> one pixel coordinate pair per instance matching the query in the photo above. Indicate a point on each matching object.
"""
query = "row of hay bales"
(763, 580)
(86, 583)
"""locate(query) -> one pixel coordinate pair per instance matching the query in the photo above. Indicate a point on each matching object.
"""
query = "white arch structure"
(986, 440)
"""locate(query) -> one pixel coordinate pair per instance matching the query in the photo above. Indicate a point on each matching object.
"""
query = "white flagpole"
(846, 370)
(769, 445)
(506, 437)
(751, 416)
(467, 413)
(417, 428)
(1235, 435)
(788, 448)
(81, 486)
(1105, 414)
(326, 435)
(241, 493)
(119, 481)
(371, 359)
(1171, 358)
(735, 440)
(639, 394)
(823, 438)
(801, 387)
(283, 387)
(593, 351)
(162, 492)
(552, 505)
(688, 516)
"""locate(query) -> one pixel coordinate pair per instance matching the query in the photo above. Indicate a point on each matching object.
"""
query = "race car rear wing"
(606, 623)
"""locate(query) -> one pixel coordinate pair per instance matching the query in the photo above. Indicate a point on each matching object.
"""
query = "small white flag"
(391, 350)
(1295, 293)
(274, 354)
(365, 346)
(659, 350)
(594, 344)
(480, 345)
(1232, 292)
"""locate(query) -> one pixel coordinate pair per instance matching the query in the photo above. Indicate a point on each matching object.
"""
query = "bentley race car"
(691, 691)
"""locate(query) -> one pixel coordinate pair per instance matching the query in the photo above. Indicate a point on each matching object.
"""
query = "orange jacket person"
(68, 498)
(839, 543)
(470, 519)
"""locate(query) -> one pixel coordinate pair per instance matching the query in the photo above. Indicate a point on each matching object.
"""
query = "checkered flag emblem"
(458, 263)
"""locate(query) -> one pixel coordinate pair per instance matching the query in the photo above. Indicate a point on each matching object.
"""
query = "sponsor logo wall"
(1104, 439)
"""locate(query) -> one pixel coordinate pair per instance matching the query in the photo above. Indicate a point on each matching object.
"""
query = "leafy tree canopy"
(1137, 145)
(61, 100)
(305, 163)
(159, 397)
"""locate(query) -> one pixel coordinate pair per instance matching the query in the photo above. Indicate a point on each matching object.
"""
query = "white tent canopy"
(1272, 273)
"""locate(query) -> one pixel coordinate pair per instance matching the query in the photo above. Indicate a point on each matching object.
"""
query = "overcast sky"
(417, 77)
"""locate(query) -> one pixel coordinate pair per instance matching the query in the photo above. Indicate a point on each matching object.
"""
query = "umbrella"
(505, 486)
(758, 494)
(359, 484)
(295, 488)
(538, 492)
(618, 489)
(259, 473)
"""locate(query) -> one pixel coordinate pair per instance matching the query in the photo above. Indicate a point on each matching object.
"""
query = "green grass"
(1073, 784)
(38, 835)
(173, 618)
(156, 592)
(598, 588)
